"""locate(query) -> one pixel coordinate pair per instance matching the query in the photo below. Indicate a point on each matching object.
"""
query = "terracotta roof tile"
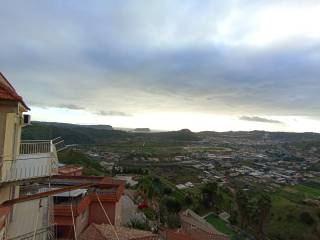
(106, 232)
(7, 92)
(176, 235)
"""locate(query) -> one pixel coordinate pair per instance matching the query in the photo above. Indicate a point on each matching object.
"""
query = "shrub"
(138, 224)
(167, 191)
(173, 221)
(150, 213)
(172, 205)
(306, 218)
(290, 217)
(188, 200)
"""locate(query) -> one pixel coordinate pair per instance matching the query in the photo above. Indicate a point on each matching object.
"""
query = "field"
(308, 190)
(178, 174)
(142, 147)
(287, 206)
(207, 149)
(221, 226)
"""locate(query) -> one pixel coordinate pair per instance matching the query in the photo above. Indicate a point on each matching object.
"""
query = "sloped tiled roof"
(106, 232)
(194, 219)
(7, 92)
(170, 234)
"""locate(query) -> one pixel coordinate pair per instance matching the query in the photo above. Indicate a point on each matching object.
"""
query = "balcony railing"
(36, 159)
(45, 233)
(35, 147)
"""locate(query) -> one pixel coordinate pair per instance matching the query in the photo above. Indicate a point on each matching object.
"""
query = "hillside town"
(44, 199)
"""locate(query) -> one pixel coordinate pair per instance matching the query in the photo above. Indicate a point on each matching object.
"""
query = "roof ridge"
(11, 92)
(7, 81)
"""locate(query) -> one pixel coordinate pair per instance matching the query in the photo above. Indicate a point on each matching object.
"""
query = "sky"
(166, 64)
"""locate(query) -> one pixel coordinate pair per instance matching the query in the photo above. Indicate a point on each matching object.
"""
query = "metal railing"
(35, 147)
(37, 158)
(22, 172)
(44, 233)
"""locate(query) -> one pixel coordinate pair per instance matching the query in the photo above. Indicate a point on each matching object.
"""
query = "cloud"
(71, 106)
(113, 113)
(259, 119)
(139, 57)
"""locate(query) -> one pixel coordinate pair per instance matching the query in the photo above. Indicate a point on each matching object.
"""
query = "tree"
(173, 221)
(167, 191)
(262, 210)
(209, 194)
(188, 200)
(233, 217)
(306, 218)
(243, 207)
(172, 205)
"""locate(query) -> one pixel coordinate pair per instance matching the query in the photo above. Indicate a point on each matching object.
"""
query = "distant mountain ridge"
(70, 125)
(97, 134)
(264, 135)
(101, 134)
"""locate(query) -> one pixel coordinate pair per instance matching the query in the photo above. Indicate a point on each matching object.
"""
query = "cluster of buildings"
(40, 199)
(251, 164)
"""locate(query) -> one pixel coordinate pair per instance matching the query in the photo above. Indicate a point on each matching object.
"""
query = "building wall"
(27, 215)
(10, 135)
(197, 233)
(97, 215)
(7, 140)
(118, 212)
(11, 140)
(2, 231)
(4, 194)
(2, 132)
(10, 130)
(82, 221)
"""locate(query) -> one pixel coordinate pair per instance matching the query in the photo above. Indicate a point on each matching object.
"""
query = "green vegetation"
(208, 149)
(253, 212)
(177, 174)
(307, 190)
(281, 215)
(86, 134)
(284, 222)
(90, 167)
(139, 148)
(221, 226)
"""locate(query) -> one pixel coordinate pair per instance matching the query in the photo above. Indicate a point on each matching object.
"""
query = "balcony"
(4, 214)
(80, 203)
(36, 159)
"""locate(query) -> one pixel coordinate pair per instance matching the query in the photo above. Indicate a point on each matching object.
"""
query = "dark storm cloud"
(154, 55)
(259, 119)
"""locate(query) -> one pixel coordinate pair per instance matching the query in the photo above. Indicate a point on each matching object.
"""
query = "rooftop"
(7, 92)
(106, 232)
(194, 219)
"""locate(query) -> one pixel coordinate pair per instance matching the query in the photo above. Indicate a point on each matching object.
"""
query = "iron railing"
(37, 158)
(35, 147)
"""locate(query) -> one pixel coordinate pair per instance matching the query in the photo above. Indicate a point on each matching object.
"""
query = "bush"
(173, 221)
(150, 214)
(306, 218)
(167, 191)
(233, 217)
(138, 224)
(172, 205)
(290, 217)
(188, 200)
